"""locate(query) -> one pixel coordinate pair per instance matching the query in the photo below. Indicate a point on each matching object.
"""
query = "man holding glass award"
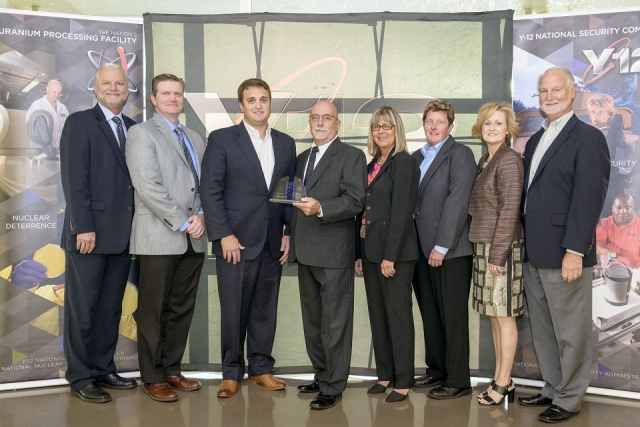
(250, 236)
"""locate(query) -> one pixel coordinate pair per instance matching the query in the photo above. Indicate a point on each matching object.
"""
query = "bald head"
(53, 91)
(323, 122)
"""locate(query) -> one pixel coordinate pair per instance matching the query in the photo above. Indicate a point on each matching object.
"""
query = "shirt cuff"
(319, 212)
(441, 249)
(574, 252)
(184, 226)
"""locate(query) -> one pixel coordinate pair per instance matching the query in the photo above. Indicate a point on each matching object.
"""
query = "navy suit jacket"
(565, 198)
(235, 196)
(96, 183)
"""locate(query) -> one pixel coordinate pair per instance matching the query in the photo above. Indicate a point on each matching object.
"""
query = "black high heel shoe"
(508, 391)
(485, 393)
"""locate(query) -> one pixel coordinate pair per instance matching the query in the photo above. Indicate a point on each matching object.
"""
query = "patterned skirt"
(500, 296)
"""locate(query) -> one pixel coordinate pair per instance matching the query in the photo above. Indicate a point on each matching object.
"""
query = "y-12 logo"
(602, 64)
(125, 60)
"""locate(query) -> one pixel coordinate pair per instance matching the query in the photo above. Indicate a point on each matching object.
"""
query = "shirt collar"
(559, 122)
(170, 123)
(255, 133)
(427, 147)
(322, 148)
(108, 114)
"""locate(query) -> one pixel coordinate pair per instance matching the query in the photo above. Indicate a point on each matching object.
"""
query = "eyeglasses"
(385, 126)
(325, 117)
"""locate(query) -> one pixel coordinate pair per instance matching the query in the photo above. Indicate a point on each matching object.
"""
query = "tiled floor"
(255, 406)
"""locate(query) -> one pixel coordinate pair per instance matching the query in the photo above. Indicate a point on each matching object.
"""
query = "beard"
(556, 108)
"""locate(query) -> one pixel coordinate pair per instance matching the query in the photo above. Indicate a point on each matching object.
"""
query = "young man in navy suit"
(250, 236)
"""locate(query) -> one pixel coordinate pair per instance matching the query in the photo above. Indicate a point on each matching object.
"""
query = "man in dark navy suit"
(566, 172)
(95, 236)
(250, 236)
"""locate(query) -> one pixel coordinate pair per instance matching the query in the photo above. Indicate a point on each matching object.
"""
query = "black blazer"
(565, 198)
(96, 183)
(389, 201)
(235, 196)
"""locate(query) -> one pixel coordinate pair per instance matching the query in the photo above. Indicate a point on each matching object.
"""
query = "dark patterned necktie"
(311, 164)
(121, 138)
(187, 155)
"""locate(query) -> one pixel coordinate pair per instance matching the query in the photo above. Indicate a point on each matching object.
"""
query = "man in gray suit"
(323, 242)
(566, 173)
(164, 159)
(442, 277)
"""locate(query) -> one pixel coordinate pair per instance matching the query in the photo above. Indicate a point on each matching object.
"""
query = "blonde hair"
(487, 110)
(391, 116)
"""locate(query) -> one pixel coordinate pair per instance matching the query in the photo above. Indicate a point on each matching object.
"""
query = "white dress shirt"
(264, 150)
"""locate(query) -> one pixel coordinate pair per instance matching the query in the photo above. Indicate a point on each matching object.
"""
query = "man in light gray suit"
(164, 159)
(442, 277)
(323, 242)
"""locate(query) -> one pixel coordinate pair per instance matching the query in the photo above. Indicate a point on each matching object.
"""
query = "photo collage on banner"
(603, 52)
(47, 68)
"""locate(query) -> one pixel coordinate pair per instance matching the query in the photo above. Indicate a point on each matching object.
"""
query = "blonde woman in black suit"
(388, 251)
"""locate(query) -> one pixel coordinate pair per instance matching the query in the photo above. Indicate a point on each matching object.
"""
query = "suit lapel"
(555, 145)
(277, 153)
(164, 129)
(244, 142)
(104, 125)
(384, 167)
(433, 167)
(324, 162)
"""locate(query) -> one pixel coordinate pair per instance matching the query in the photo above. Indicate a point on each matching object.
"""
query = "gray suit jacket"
(338, 182)
(164, 188)
(443, 200)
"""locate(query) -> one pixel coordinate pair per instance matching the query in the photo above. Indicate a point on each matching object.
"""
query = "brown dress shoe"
(160, 392)
(228, 388)
(268, 381)
(181, 383)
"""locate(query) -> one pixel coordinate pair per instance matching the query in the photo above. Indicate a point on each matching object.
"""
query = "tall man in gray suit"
(323, 242)
(250, 235)
(566, 170)
(95, 236)
(164, 159)
(442, 279)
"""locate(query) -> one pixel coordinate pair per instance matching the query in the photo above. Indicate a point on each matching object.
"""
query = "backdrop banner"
(603, 52)
(359, 62)
(47, 66)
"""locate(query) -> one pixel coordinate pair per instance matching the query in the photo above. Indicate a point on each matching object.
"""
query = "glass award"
(289, 191)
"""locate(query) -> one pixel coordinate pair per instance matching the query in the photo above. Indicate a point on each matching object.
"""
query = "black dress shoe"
(114, 380)
(92, 393)
(537, 400)
(427, 381)
(310, 387)
(556, 414)
(444, 392)
(324, 401)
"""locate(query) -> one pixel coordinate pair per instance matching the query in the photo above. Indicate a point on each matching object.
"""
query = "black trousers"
(94, 289)
(390, 304)
(443, 297)
(166, 299)
(248, 294)
(326, 298)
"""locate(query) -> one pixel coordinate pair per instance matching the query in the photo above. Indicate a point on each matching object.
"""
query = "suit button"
(190, 209)
(368, 194)
(193, 189)
(129, 208)
(266, 217)
(129, 187)
(368, 222)
(368, 207)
